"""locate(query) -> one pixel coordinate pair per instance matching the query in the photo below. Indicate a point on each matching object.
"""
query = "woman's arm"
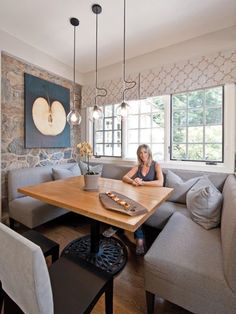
(128, 176)
(159, 178)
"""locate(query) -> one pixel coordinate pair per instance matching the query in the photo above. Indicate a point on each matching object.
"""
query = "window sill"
(197, 166)
(186, 165)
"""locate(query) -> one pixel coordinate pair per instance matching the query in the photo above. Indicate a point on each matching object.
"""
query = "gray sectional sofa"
(187, 264)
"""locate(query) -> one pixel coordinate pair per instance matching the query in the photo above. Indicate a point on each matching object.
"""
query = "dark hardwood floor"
(129, 294)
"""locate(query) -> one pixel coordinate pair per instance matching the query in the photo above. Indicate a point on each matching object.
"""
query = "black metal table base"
(110, 257)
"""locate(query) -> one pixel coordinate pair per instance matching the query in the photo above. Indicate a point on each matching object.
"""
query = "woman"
(146, 173)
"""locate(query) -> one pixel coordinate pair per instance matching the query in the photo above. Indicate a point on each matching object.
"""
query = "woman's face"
(143, 155)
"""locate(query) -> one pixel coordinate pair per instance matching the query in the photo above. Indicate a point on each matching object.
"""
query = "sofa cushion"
(217, 179)
(204, 202)
(228, 230)
(93, 168)
(26, 176)
(113, 171)
(180, 187)
(60, 173)
(188, 257)
(32, 212)
(164, 212)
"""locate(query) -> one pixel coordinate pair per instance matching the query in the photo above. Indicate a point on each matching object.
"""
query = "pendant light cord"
(74, 69)
(124, 56)
(96, 80)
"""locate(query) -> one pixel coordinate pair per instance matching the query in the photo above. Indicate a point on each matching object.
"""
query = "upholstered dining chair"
(29, 287)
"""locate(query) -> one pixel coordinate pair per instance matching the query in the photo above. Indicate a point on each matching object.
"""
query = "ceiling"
(150, 25)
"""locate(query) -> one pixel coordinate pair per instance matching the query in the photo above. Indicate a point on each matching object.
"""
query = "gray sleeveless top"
(150, 176)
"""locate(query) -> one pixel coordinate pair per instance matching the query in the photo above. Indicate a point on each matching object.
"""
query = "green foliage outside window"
(196, 122)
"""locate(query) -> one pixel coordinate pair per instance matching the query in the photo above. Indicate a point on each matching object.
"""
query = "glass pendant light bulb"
(122, 109)
(97, 113)
(73, 117)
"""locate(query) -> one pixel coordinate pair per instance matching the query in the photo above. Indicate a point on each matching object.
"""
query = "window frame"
(229, 138)
(104, 131)
(139, 115)
(203, 125)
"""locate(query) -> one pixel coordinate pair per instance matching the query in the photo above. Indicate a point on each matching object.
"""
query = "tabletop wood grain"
(69, 194)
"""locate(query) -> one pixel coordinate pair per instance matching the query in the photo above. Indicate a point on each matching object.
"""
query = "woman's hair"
(148, 150)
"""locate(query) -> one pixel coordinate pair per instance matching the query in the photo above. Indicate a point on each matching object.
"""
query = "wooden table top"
(69, 194)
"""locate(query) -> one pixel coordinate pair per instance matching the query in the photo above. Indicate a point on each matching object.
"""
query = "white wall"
(200, 46)
(21, 50)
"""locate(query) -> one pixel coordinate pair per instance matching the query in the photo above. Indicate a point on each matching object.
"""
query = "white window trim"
(229, 140)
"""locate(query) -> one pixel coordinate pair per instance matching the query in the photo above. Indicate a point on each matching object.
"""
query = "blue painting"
(46, 107)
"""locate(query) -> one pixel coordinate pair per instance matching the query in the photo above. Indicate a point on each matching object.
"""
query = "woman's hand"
(138, 181)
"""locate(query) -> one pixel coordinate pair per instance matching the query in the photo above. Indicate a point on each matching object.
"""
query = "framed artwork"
(46, 107)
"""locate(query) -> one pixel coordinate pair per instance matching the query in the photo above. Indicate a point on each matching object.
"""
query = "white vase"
(91, 181)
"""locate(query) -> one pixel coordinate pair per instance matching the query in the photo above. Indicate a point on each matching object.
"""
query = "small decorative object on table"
(121, 203)
(91, 177)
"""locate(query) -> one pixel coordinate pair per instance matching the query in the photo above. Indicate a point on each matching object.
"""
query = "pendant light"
(97, 112)
(74, 117)
(122, 109)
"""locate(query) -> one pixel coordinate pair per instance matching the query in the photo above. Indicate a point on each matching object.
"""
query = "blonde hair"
(148, 150)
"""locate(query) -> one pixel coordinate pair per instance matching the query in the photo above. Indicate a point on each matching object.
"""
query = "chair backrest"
(24, 274)
(228, 231)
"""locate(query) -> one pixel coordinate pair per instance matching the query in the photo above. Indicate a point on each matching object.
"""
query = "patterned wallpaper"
(205, 71)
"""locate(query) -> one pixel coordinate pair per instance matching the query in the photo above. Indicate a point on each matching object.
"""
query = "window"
(197, 125)
(145, 124)
(186, 126)
(107, 133)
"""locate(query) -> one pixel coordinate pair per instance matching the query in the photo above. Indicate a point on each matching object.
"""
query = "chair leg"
(55, 254)
(10, 306)
(1, 297)
(150, 300)
(109, 298)
(12, 223)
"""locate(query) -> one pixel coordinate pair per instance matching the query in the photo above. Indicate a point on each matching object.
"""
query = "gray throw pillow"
(92, 168)
(204, 201)
(180, 187)
(63, 173)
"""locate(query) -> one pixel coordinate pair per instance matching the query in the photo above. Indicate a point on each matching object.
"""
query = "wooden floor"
(129, 295)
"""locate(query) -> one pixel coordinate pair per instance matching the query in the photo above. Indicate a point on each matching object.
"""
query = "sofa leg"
(150, 301)
(12, 223)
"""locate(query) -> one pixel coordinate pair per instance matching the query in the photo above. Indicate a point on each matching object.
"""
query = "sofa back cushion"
(180, 187)
(217, 179)
(26, 176)
(113, 171)
(59, 173)
(204, 201)
(96, 168)
(228, 230)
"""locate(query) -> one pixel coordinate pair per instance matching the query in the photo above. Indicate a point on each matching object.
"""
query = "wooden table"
(69, 194)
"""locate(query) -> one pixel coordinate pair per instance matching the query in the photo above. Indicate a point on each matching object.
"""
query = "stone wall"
(14, 155)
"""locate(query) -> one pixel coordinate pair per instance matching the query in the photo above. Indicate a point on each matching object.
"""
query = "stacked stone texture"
(14, 155)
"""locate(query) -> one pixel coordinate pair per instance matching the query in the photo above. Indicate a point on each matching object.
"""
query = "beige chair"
(30, 288)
